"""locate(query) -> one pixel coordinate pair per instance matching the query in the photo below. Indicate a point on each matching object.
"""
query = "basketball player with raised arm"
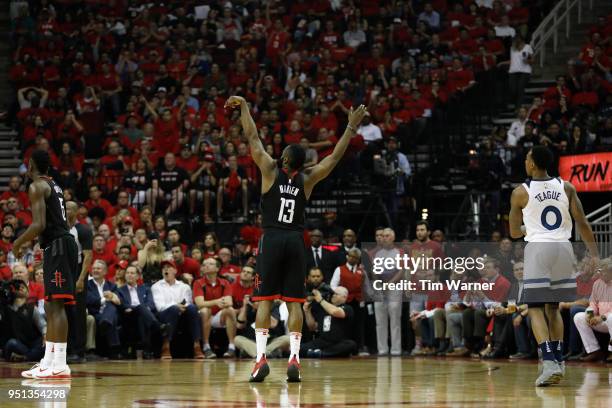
(50, 225)
(546, 206)
(281, 260)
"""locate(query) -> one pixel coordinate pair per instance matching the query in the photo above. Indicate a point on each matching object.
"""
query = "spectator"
(598, 316)
(278, 340)
(233, 188)
(139, 308)
(519, 69)
(430, 17)
(102, 302)
(5, 269)
(15, 190)
(36, 291)
(319, 256)
(523, 338)
(204, 182)
(334, 327)
(211, 245)
(354, 37)
(174, 306)
(187, 269)
(150, 259)
(228, 270)
(169, 185)
(213, 297)
(351, 276)
(388, 303)
(27, 327)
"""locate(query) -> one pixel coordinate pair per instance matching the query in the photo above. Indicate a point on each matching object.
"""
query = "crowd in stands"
(570, 117)
(127, 97)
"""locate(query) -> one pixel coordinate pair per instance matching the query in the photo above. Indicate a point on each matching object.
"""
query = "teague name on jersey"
(287, 189)
(548, 195)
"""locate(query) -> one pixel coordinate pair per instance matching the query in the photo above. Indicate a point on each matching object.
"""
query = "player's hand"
(17, 251)
(355, 116)
(80, 285)
(306, 306)
(234, 102)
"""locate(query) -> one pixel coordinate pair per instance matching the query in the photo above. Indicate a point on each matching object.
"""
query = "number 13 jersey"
(546, 216)
(56, 222)
(283, 206)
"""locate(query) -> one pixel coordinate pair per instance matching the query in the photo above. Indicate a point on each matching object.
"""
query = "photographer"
(334, 327)
(314, 280)
(26, 326)
(393, 169)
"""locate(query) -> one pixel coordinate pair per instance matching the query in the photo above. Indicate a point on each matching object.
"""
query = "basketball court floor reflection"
(363, 382)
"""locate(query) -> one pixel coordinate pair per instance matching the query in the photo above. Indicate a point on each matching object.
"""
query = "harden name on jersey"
(289, 189)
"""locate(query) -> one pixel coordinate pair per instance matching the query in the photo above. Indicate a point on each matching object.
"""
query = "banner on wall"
(588, 172)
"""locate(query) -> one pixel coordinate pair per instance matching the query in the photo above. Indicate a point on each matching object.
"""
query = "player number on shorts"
(61, 200)
(287, 208)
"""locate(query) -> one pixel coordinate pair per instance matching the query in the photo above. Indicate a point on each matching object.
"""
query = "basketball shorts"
(281, 266)
(60, 269)
(550, 273)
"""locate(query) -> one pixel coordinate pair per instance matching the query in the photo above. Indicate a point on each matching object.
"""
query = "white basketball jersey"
(546, 216)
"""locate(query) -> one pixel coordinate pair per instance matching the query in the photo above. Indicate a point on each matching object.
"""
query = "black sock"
(557, 348)
(547, 351)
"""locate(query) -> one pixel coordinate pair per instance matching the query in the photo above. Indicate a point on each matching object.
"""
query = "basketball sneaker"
(293, 371)
(551, 374)
(30, 373)
(260, 371)
(53, 374)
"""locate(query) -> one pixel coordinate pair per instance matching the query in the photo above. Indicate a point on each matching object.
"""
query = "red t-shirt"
(36, 292)
(202, 287)
(190, 266)
(238, 293)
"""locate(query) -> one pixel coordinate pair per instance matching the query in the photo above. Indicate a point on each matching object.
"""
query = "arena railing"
(549, 27)
(601, 224)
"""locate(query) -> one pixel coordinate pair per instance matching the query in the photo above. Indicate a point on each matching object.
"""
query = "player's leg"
(294, 293)
(551, 372)
(555, 327)
(268, 280)
(57, 332)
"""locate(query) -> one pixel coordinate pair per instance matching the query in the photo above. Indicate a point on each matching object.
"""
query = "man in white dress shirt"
(173, 301)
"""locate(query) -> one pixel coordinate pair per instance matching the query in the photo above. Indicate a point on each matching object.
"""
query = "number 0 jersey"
(56, 222)
(546, 216)
(283, 206)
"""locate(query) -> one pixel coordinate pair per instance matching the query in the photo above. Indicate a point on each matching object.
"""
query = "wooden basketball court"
(360, 382)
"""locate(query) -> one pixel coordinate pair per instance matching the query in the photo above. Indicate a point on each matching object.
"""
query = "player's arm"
(319, 171)
(39, 217)
(518, 201)
(266, 164)
(582, 225)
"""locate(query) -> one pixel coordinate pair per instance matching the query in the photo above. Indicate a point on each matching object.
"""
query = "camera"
(8, 290)
(325, 290)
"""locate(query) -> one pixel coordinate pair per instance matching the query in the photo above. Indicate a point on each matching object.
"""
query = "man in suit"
(138, 307)
(317, 256)
(102, 302)
(349, 241)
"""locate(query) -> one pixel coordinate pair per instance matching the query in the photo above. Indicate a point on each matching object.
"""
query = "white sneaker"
(30, 373)
(53, 374)
(551, 374)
